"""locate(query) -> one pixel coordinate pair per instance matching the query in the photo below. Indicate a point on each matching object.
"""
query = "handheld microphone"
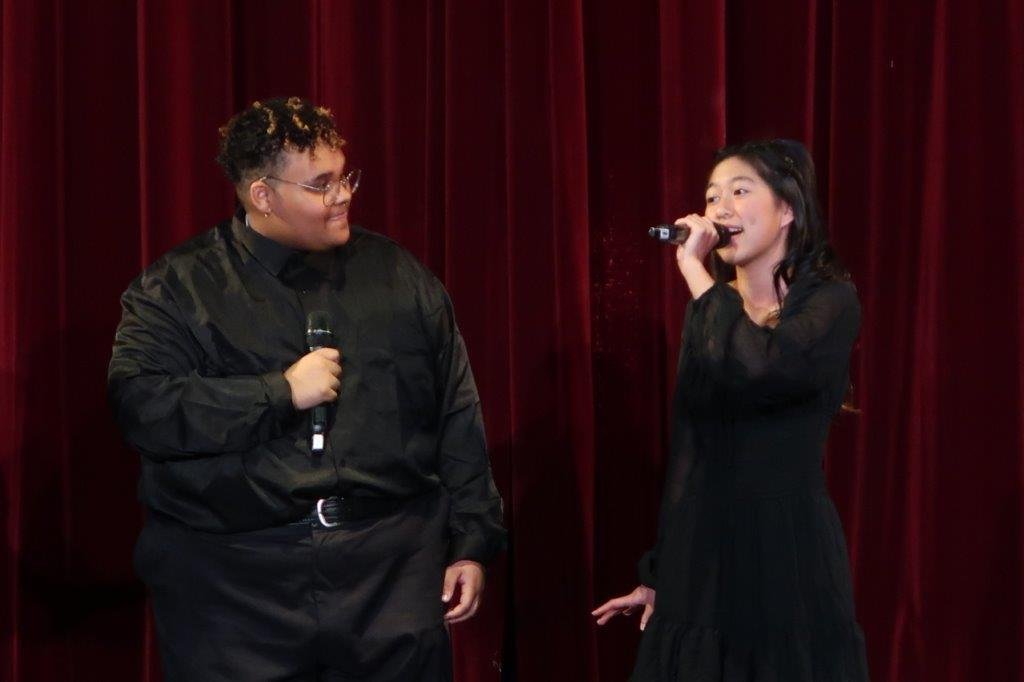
(318, 335)
(677, 234)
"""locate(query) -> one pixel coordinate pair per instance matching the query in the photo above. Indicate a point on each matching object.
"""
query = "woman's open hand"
(625, 605)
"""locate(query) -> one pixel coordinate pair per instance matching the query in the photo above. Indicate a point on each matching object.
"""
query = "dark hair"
(251, 143)
(787, 168)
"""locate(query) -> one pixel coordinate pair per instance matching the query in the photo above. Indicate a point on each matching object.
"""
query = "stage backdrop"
(521, 148)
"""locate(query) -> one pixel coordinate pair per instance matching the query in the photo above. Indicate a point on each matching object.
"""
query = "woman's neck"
(756, 285)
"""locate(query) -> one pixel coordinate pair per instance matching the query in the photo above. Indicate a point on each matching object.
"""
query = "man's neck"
(265, 227)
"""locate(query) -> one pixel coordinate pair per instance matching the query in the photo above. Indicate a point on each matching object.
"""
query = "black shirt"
(196, 383)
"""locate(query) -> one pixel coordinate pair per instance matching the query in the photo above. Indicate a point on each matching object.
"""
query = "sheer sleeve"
(681, 454)
(761, 366)
(680, 465)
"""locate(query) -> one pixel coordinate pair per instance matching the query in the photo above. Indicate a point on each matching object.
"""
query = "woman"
(750, 568)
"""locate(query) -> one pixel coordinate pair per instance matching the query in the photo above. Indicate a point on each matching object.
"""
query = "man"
(272, 552)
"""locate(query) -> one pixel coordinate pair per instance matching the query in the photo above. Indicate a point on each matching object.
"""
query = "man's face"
(302, 220)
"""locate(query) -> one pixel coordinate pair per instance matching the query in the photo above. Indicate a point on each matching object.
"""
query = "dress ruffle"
(687, 652)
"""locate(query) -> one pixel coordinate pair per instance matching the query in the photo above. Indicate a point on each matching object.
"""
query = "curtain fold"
(521, 148)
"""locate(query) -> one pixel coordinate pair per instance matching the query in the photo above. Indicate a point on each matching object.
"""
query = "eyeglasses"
(330, 192)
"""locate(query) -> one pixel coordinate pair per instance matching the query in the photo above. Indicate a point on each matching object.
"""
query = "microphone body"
(676, 234)
(318, 335)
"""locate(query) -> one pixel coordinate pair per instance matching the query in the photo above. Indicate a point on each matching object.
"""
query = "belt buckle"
(320, 514)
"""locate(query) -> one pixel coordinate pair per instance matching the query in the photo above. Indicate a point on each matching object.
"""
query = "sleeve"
(681, 455)
(680, 460)
(464, 468)
(164, 406)
(764, 367)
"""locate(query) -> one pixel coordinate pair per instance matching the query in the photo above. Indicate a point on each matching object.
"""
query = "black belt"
(329, 512)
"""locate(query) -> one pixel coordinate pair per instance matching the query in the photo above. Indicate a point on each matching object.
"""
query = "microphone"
(676, 234)
(318, 335)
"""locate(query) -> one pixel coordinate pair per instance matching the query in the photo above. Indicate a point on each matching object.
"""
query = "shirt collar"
(271, 255)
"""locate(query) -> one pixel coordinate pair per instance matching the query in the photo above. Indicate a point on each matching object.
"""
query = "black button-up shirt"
(196, 383)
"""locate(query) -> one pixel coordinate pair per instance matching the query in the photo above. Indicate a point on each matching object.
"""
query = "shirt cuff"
(279, 395)
(474, 548)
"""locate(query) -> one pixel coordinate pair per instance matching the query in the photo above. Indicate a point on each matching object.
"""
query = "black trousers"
(361, 601)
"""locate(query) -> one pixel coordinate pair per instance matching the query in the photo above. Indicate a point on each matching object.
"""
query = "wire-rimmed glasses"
(330, 192)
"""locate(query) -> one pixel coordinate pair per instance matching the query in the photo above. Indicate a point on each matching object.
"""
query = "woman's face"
(737, 196)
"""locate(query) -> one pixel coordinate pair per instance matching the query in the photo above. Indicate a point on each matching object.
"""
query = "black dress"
(750, 567)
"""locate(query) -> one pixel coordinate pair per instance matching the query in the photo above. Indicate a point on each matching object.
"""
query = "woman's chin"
(728, 255)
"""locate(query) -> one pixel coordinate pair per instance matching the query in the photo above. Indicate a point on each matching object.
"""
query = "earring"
(266, 215)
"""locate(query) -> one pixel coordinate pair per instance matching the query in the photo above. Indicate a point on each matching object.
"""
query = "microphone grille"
(318, 321)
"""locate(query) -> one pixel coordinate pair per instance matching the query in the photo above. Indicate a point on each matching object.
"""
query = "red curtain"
(520, 148)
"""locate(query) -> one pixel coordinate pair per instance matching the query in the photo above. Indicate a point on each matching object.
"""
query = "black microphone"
(318, 335)
(677, 234)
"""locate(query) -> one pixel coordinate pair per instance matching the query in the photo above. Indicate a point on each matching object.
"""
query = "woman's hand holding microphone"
(690, 254)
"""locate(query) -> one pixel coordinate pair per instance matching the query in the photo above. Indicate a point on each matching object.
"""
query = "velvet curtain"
(520, 148)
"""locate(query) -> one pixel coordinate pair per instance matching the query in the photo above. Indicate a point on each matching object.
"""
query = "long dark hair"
(787, 168)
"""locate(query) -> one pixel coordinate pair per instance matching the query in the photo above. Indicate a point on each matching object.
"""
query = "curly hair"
(251, 143)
